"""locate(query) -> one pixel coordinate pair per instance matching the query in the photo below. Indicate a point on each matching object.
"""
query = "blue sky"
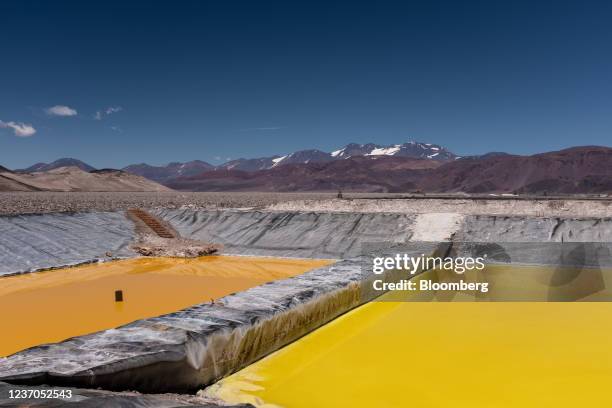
(213, 80)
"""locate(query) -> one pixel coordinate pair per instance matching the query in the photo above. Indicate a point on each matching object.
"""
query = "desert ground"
(13, 203)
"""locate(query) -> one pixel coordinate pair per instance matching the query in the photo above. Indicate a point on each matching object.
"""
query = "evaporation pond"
(50, 306)
(471, 354)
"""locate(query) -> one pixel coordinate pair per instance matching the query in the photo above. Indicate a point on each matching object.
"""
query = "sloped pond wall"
(34, 242)
(291, 234)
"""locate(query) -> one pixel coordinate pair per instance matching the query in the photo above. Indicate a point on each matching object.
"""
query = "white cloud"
(60, 110)
(108, 111)
(113, 109)
(19, 129)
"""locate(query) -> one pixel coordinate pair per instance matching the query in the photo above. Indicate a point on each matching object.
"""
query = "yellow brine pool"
(440, 354)
(50, 306)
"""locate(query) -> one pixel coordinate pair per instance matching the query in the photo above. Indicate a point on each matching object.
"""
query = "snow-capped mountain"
(264, 163)
(414, 150)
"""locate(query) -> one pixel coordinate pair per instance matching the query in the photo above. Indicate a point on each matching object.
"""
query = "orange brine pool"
(51, 306)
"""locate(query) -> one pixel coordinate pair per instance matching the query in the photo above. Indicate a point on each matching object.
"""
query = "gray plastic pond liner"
(500, 229)
(541, 241)
(34, 242)
(290, 234)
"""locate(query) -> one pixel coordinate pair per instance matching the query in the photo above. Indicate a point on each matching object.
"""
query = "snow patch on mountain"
(278, 160)
(384, 151)
(337, 153)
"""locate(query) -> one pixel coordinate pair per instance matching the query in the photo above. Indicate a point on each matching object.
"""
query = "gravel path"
(45, 202)
(562, 208)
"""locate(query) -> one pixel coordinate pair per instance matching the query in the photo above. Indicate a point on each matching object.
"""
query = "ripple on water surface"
(51, 306)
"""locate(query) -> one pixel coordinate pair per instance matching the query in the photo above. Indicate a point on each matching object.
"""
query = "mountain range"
(586, 169)
(359, 173)
(414, 150)
(166, 173)
(406, 167)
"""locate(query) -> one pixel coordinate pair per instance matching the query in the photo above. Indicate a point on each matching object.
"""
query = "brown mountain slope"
(374, 174)
(8, 184)
(75, 179)
(577, 170)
